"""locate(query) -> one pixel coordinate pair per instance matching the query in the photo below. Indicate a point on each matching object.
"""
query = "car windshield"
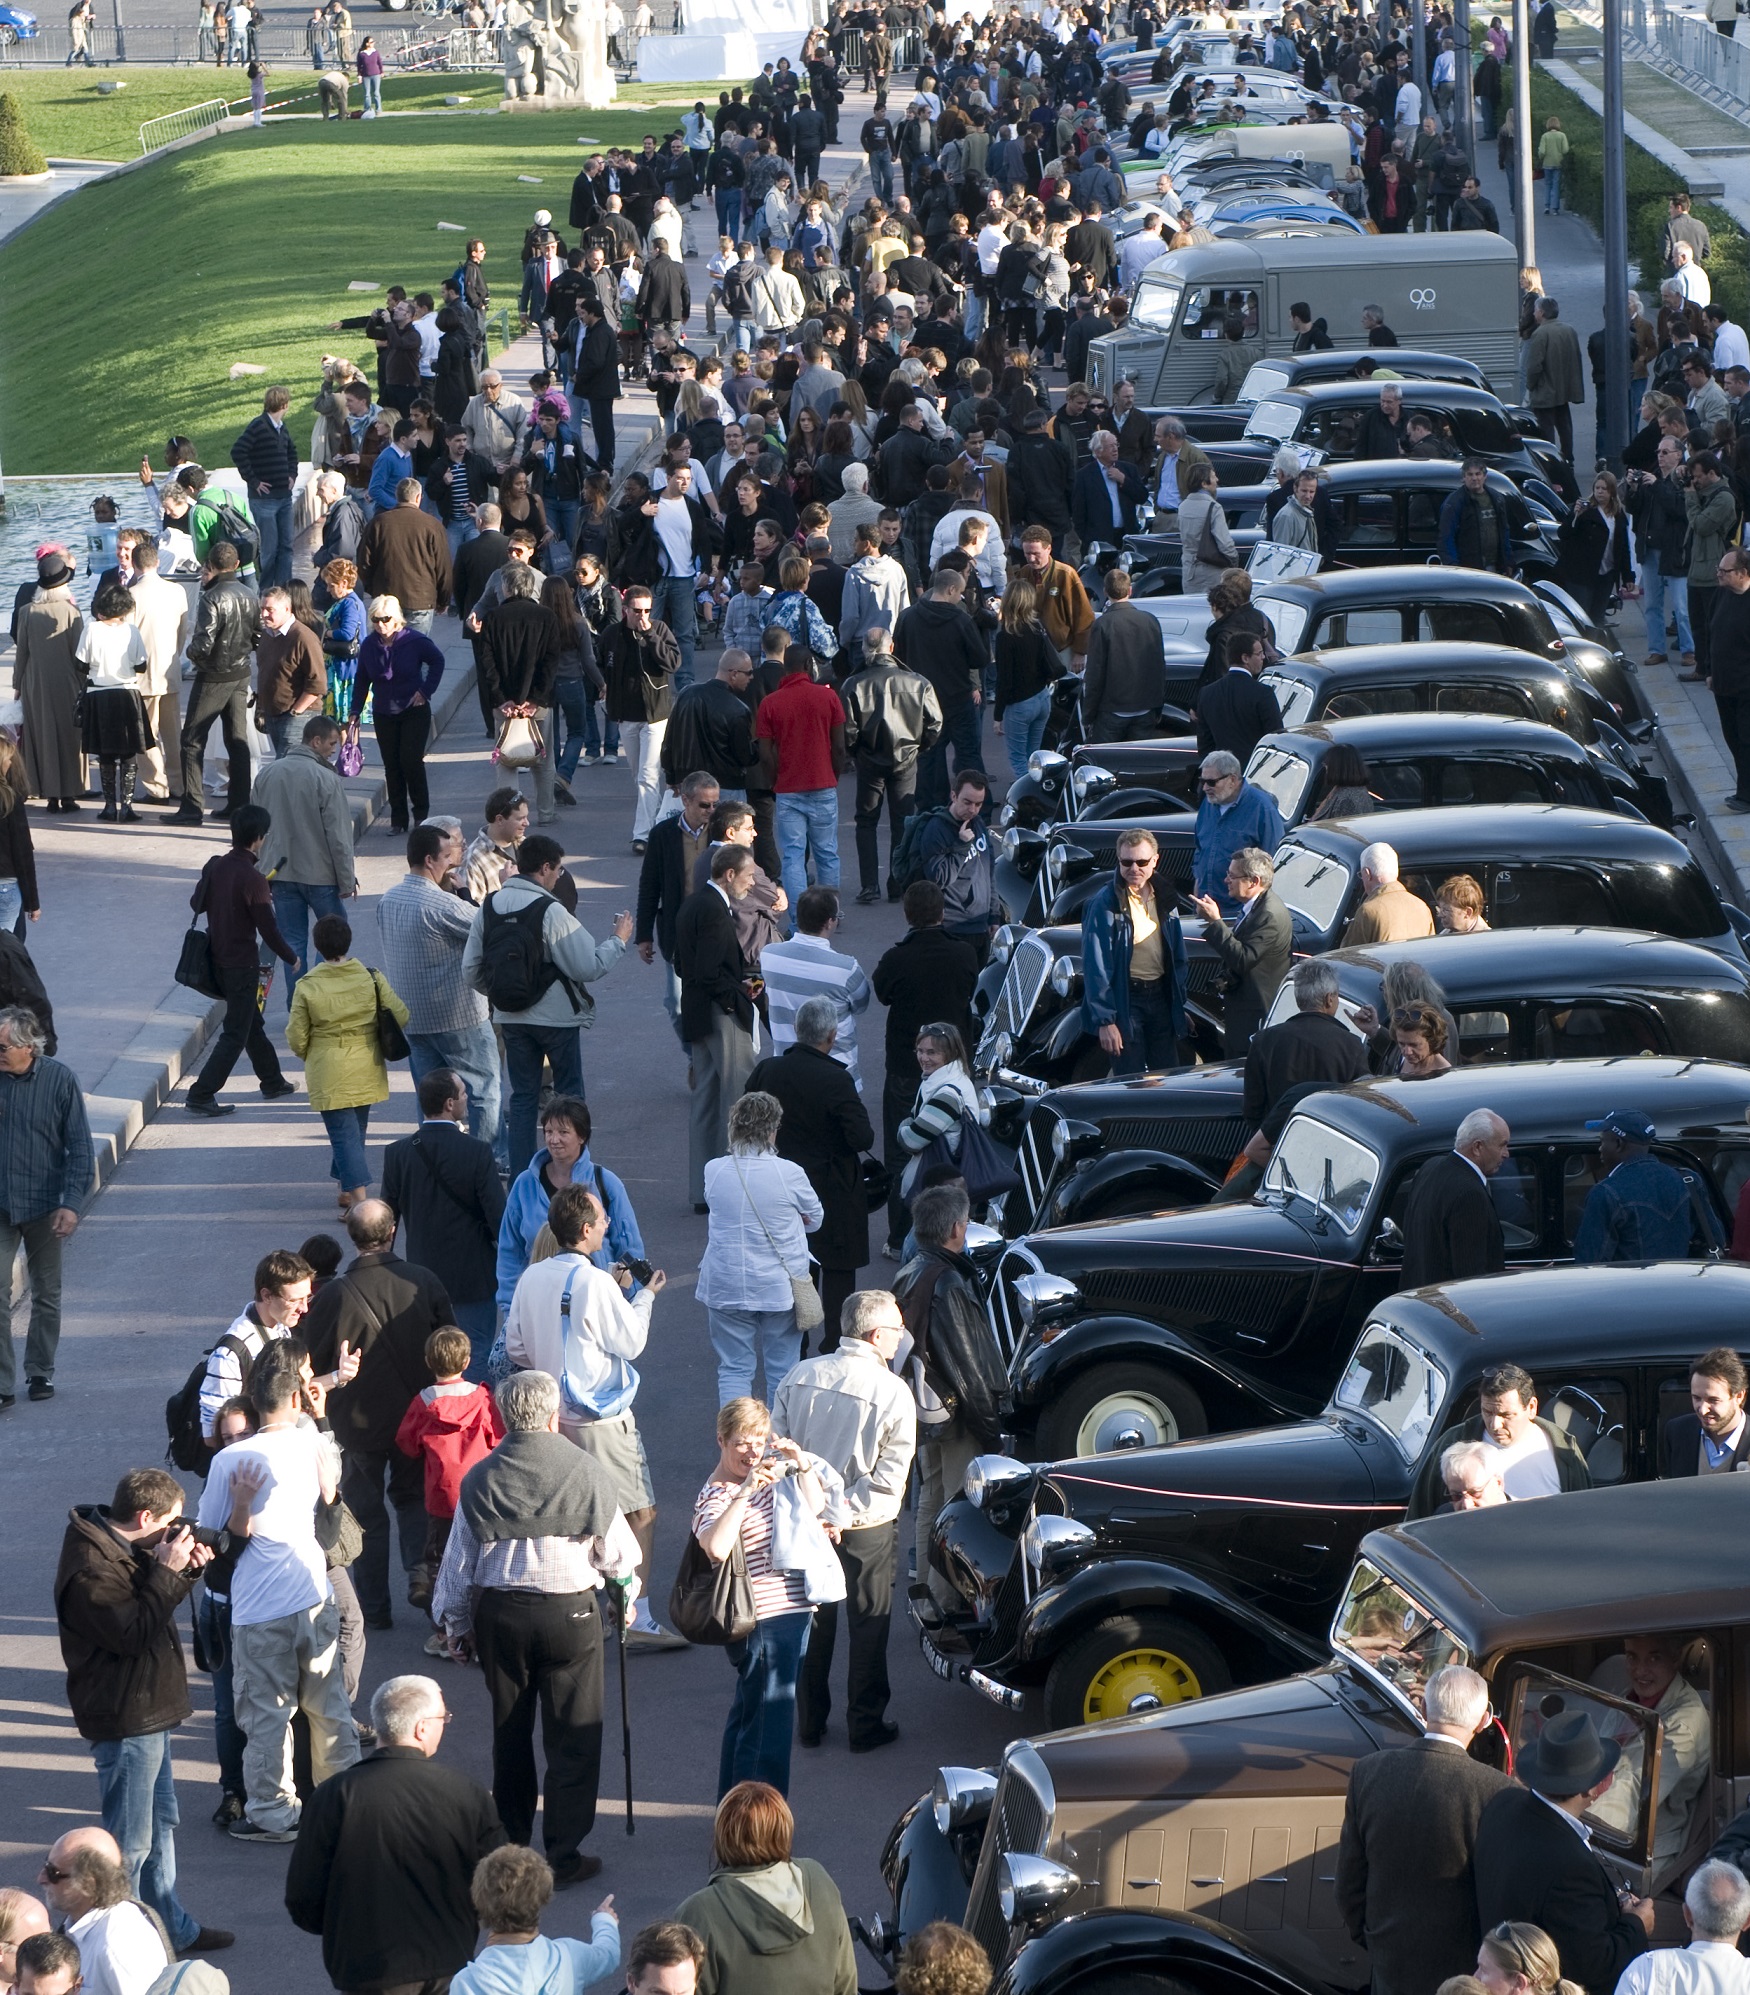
(1312, 883)
(1282, 775)
(1157, 305)
(1275, 420)
(1390, 1636)
(1263, 380)
(1294, 697)
(1397, 1386)
(1328, 1170)
(1288, 621)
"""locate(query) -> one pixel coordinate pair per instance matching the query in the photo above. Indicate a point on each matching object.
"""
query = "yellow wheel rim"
(1139, 1678)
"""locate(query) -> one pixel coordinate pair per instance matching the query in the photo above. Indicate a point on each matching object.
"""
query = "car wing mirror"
(1388, 1244)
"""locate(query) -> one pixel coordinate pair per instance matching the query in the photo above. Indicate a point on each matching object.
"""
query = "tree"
(19, 152)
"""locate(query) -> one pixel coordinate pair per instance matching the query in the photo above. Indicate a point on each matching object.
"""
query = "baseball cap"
(1628, 1123)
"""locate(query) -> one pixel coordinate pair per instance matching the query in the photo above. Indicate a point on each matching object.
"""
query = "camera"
(639, 1270)
(213, 1540)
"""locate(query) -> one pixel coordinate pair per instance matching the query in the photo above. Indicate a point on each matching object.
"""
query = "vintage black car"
(1537, 864)
(1103, 779)
(1104, 1149)
(1329, 418)
(1114, 1951)
(1237, 1313)
(1156, 1575)
(1231, 1807)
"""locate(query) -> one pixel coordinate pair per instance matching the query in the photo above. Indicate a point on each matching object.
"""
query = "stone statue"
(519, 42)
(559, 54)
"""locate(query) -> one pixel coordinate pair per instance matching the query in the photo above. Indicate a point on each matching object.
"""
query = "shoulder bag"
(520, 743)
(194, 965)
(1210, 552)
(391, 1040)
(350, 760)
(809, 1313)
(712, 1604)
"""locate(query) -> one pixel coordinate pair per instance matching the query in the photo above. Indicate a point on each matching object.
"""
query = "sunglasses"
(1211, 782)
(51, 1875)
(1136, 865)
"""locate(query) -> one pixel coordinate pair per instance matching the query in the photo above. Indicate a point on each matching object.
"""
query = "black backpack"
(514, 958)
(908, 857)
(236, 527)
(188, 1448)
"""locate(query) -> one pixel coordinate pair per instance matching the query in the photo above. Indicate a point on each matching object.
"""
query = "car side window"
(1372, 699)
(1422, 520)
(1381, 626)
(1369, 520)
(1592, 1031)
(1474, 697)
(1398, 785)
(1461, 623)
(1485, 1038)
(1730, 1170)
(1593, 1413)
(1515, 1191)
(1490, 783)
(1550, 896)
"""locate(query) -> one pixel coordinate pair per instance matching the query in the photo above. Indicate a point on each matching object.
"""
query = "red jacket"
(453, 1427)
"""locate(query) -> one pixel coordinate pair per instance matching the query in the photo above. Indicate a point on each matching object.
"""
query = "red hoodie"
(453, 1426)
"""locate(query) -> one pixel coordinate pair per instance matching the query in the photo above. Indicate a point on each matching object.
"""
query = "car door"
(1540, 896)
(1519, 1192)
(1367, 530)
(1422, 523)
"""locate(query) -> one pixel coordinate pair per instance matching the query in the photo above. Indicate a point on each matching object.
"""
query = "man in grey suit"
(1404, 1880)
(1255, 951)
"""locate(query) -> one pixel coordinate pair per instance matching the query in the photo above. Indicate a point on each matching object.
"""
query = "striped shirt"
(774, 1593)
(424, 931)
(808, 966)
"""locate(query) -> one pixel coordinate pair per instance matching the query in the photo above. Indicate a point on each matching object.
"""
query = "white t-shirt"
(283, 1570)
(1526, 1468)
(1409, 105)
(120, 1952)
(427, 329)
(674, 528)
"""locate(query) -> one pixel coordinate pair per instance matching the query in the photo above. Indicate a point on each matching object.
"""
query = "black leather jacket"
(226, 627)
(892, 716)
(960, 1354)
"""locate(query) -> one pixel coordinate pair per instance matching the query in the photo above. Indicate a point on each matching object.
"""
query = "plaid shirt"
(45, 1142)
(424, 931)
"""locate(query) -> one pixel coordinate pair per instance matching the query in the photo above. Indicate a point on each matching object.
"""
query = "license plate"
(941, 1664)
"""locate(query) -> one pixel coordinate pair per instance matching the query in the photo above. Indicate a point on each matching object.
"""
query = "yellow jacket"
(333, 1030)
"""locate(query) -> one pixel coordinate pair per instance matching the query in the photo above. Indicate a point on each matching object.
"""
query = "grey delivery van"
(1457, 293)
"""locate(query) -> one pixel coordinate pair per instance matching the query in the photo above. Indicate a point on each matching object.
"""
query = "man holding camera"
(125, 1570)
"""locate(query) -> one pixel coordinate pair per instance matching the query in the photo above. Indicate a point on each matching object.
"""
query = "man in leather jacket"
(711, 728)
(226, 627)
(892, 716)
(963, 1370)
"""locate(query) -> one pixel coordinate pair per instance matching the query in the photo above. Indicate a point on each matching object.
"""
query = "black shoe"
(701, 1210)
(8, 1400)
(187, 813)
(229, 1810)
(128, 815)
(211, 1939)
(279, 1089)
(575, 1870)
(41, 1389)
(811, 1739)
(204, 1104)
(108, 814)
(884, 1736)
(69, 807)
(868, 897)
(223, 812)
(379, 1621)
(1739, 804)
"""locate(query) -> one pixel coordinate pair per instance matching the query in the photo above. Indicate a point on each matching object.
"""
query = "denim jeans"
(807, 821)
(729, 212)
(214, 1619)
(525, 1047)
(881, 175)
(562, 518)
(273, 521)
(1151, 1042)
(762, 1717)
(472, 1052)
(12, 907)
(136, 1786)
(297, 905)
(643, 742)
(741, 335)
(1024, 728)
(1552, 190)
(42, 1258)
(673, 603)
(459, 533)
(362, 1478)
(570, 698)
(346, 1140)
(373, 89)
(600, 735)
(741, 1337)
(1658, 587)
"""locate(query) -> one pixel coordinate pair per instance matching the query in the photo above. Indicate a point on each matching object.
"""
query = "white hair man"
(121, 1947)
(1404, 1881)
(849, 1408)
(845, 515)
(1471, 1480)
(1452, 1231)
(1389, 912)
(386, 1851)
(1528, 1455)
(1716, 1908)
(1312, 1045)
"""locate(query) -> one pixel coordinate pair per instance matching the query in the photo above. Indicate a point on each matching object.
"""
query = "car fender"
(1067, 1034)
(1182, 1947)
(1016, 892)
(1135, 802)
(1100, 1588)
(1072, 899)
(1179, 1181)
(1043, 1369)
(923, 1872)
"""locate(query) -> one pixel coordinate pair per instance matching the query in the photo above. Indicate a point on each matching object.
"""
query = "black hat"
(52, 569)
(1567, 1757)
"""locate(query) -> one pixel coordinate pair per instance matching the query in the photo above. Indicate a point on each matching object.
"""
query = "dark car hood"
(1266, 1465)
(1225, 1232)
(1213, 1090)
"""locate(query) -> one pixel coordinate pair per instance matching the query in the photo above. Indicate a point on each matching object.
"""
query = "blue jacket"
(1251, 819)
(1106, 939)
(392, 465)
(525, 1213)
(965, 870)
(1639, 1213)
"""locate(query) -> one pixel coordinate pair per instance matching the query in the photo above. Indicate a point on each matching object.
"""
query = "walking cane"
(625, 1621)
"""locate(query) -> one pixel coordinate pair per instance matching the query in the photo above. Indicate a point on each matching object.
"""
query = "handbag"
(712, 1604)
(391, 1040)
(877, 1183)
(194, 964)
(338, 1532)
(520, 743)
(986, 1166)
(803, 1294)
(350, 760)
(1210, 552)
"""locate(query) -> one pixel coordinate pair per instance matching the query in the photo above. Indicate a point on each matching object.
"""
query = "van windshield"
(1157, 305)
(1276, 421)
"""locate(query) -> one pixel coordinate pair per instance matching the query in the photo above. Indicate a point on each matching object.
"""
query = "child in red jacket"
(453, 1425)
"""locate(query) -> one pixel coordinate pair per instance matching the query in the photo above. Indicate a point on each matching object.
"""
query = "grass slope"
(241, 249)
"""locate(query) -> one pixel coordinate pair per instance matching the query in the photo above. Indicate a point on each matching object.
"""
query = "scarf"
(537, 1486)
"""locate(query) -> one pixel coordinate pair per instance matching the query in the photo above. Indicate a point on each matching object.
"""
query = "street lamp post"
(1523, 216)
(1465, 108)
(1614, 433)
(1419, 53)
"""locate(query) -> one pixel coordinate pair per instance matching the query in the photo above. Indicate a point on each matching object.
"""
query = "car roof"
(1400, 734)
(1541, 1099)
(1450, 659)
(1406, 578)
(1639, 1558)
(1399, 357)
(1557, 962)
(1503, 832)
(1345, 394)
(1402, 474)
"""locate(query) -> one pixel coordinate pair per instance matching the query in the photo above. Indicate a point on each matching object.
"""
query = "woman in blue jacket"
(564, 1160)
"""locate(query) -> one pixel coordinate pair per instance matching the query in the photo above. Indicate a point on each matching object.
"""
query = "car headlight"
(1002, 943)
(1092, 780)
(1045, 765)
(1041, 1295)
(1030, 1887)
(992, 1475)
(1005, 817)
(1066, 976)
(1011, 843)
(1001, 1047)
(1046, 1537)
(961, 1795)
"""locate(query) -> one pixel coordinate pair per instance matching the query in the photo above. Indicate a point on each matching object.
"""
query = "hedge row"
(1649, 183)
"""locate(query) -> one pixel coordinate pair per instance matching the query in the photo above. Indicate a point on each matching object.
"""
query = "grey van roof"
(1227, 262)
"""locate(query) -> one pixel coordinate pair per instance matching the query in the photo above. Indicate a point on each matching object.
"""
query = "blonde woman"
(333, 1029)
(1517, 1958)
(399, 669)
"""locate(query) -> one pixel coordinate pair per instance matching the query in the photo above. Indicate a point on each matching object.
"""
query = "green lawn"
(69, 120)
(240, 250)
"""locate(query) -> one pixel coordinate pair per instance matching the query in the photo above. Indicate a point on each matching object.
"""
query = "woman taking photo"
(333, 1029)
(399, 668)
(771, 1924)
(735, 1507)
(112, 716)
(1596, 559)
(1027, 664)
(762, 1208)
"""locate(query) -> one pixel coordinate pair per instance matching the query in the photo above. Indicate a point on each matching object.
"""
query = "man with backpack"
(892, 717)
(227, 627)
(283, 1282)
(953, 848)
(531, 960)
